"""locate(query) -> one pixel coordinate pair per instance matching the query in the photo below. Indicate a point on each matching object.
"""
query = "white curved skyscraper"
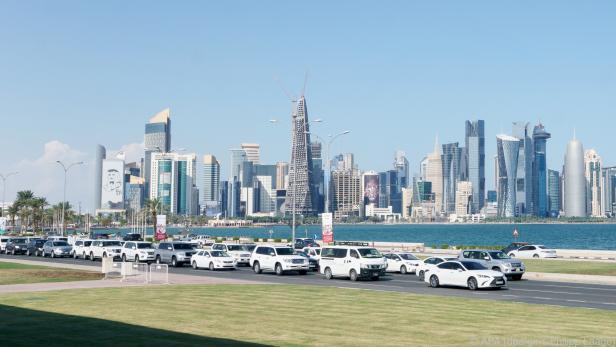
(575, 182)
(508, 148)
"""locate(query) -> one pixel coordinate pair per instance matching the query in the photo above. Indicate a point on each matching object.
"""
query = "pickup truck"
(175, 253)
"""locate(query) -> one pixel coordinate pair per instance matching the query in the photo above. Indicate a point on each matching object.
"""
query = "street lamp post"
(4, 177)
(66, 168)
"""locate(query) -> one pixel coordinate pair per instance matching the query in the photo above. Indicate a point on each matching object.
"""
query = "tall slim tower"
(525, 172)
(434, 174)
(592, 172)
(157, 139)
(540, 179)
(508, 151)
(211, 183)
(452, 154)
(101, 154)
(401, 165)
(475, 147)
(575, 183)
(300, 168)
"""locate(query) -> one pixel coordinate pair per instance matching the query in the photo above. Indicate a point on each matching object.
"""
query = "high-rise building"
(173, 182)
(318, 176)
(524, 174)
(211, 185)
(133, 193)
(224, 198)
(592, 172)
(101, 154)
(508, 149)
(451, 173)
(464, 197)
(252, 152)
(282, 175)
(300, 192)
(157, 139)
(346, 193)
(540, 179)
(423, 168)
(575, 183)
(401, 165)
(608, 192)
(266, 194)
(434, 174)
(407, 202)
(554, 193)
(475, 148)
(390, 193)
(238, 160)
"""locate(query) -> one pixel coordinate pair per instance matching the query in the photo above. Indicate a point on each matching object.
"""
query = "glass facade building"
(540, 179)
(508, 149)
(554, 193)
(451, 174)
(475, 147)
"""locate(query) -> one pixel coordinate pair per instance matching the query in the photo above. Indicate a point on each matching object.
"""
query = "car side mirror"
(170, 248)
(272, 254)
(486, 258)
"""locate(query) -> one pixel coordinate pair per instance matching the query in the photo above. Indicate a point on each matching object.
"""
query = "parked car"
(174, 253)
(132, 237)
(16, 245)
(35, 247)
(3, 242)
(533, 251)
(497, 261)
(403, 262)
(81, 248)
(240, 252)
(513, 246)
(429, 263)
(203, 240)
(352, 261)
(138, 251)
(301, 243)
(279, 259)
(57, 249)
(466, 273)
(213, 260)
(314, 253)
(100, 249)
(313, 264)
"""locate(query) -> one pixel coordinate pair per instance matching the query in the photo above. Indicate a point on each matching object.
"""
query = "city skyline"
(428, 76)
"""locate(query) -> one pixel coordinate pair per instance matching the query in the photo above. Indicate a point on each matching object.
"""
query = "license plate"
(500, 282)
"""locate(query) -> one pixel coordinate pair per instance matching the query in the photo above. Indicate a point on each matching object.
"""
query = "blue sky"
(396, 73)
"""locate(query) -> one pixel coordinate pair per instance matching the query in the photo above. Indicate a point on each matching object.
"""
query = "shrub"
(236, 238)
(277, 240)
(444, 246)
(256, 239)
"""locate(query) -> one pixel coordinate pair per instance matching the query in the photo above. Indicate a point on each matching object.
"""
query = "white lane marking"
(609, 303)
(578, 287)
(576, 300)
(540, 298)
(547, 291)
(511, 296)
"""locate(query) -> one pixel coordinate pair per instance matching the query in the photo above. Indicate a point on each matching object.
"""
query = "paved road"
(536, 292)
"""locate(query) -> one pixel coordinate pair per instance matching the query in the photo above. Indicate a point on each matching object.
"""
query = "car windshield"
(18, 240)
(471, 265)
(60, 243)
(250, 248)
(369, 253)
(285, 251)
(182, 246)
(236, 248)
(144, 245)
(111, 243)
(219, 254)
(499, 255)
(408, 256)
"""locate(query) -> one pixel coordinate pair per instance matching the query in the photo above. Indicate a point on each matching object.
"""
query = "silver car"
(57, 249)
(497, 261)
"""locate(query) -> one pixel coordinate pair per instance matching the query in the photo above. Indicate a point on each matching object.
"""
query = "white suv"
(279, 259)
(353, 260)
(137, 251)
(100, 249)
(240, 252)
(81, 248)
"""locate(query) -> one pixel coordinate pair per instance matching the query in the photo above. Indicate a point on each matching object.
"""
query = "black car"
(35, 247)
(17, 245)
(513, 246)
(313, 264)
(132, 237)
(302, 243)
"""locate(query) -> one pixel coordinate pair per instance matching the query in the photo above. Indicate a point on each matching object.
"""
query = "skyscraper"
(475, 147)
(157, 139)
(346, 193)
(318, 176)
(575, 183)
(554, 193)
(451, 173)
(300, 189)
(282, 173)
(252, 152)
(211, 184)
(608, 192)
(540, 194)
(524, 175)
(434, 174)
(238, 158)
(592, 172)
(508, 149)
(401, 165)
(464, 196)
(101, 154)
(173, 182)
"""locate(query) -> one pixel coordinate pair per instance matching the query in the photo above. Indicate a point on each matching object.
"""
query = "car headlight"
(288, 260)
(16, 247)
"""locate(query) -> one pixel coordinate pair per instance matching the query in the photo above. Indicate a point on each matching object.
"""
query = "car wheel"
(92, 256)
(52, 254)
(353, 275)
(84, 255)
(13, 252)
(403, 270)
(278, 269)
(136, 259)
(512, 255)
(535, 255)
(256, 267)
(174, 262)
(328, 273)
(194, 265)
(124, 257)
(158, 259)
(422, 276)
(496, 268)
(472, 283)
(212, 266)
(28, 253)
(434, 281)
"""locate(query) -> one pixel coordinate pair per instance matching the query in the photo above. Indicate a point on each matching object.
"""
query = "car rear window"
(334, 252)
(60, 243)
(182, 246)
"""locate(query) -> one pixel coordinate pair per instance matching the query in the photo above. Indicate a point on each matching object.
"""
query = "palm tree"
(152, 206)
(13, 211)
(38, 209)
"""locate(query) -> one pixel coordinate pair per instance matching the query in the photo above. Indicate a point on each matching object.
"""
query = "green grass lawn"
(13, 273)
(285, 315)
(571, 267)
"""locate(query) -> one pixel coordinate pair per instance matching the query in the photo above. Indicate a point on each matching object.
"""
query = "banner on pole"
(161, 227)
(328, 228)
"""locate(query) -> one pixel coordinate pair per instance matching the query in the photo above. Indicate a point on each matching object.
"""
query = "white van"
(353, 260)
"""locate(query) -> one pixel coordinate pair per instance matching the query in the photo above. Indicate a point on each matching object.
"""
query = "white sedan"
(213, 260)
(403, 262)
(430, 263)
(533, 251)
(466, 273)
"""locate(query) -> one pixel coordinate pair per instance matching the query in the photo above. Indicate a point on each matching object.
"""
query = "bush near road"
(272, 315)
(13, 273)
